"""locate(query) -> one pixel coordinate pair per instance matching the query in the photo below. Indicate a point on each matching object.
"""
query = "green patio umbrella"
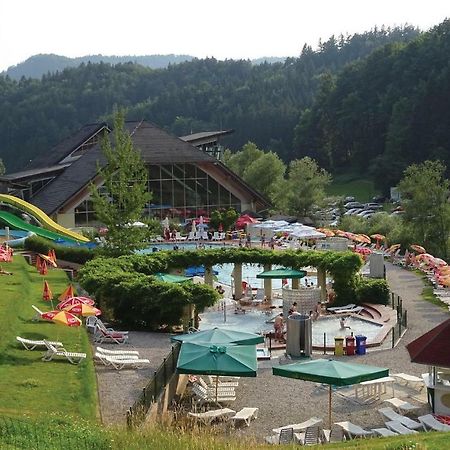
(220, 336)
(170, 278)
(208, 359)
(331, 372)
(282, 273)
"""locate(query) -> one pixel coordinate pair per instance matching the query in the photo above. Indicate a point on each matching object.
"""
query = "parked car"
(349, 199)
(374, 206)
(353, 211)
(351, 205)
(367, 213)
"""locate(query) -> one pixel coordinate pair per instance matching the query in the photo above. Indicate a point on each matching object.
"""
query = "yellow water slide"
(40, 215)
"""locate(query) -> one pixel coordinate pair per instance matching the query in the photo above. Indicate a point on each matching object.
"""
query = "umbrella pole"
(329, 406)
(217, 388)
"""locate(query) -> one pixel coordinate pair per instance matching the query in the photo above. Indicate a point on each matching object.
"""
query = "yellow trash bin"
(339, 346)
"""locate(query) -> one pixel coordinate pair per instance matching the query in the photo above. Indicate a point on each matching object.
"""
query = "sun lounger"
(431, 423)
(353, 431)
(285, 436)
(212, 382)
(246, 415)
(300, 426)
(401, 405)
(106, 359)
(213, 387)
(117, 352)
(399, 428)
(209, 396)
(336, 309)
(52, 351)
(416, 382)
(101, 335)
(208, 416)
(336, 434)
(30, 344)
(312, 435)
(384, 432)
(124, 361)
(390, 414)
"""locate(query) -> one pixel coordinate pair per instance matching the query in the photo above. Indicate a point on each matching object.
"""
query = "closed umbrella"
(68, 292)
(326, 231)
(47, 294)
(220, 336)
(331, 372)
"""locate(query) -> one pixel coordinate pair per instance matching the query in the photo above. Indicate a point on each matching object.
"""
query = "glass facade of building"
(178, 191)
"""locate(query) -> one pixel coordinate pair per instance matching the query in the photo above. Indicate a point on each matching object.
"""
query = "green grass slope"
(29, 386)
(353, 185)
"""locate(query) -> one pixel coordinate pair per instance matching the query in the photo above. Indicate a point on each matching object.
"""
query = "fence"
(22, 434)
(161, 377)
(402, 318)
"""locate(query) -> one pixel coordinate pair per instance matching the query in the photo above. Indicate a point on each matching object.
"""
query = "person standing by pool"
(343, 325)
(278, 327)
(247, 240)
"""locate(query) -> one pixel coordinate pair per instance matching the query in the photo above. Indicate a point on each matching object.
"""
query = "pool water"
(331, 326)
(255, 322)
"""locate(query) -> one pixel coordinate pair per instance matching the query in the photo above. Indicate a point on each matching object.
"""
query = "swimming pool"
(255, 322)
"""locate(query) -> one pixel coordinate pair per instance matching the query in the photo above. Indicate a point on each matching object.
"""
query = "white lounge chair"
(246, 415)
(212, 382)
(215, 236)
(431, 423)
(312, 436)
(336, 434)
(300, 426)
(401, 405)
(107, 359)
(286, 436)
(353, 431)
(52, 351)
(390, 414)
(208, 416)
(226, 390)
(178, 236)
(337, 309)
(117, 352)
(399, 428)
(416, 382)
(191, 236)
(209, 396)
(384, 432)
(122, 361)
(38, 314)
(30, 344)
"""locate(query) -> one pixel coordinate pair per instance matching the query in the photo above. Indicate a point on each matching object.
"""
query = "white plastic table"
(373, 389)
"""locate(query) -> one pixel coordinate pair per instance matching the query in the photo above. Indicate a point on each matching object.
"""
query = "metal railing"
(150, 393)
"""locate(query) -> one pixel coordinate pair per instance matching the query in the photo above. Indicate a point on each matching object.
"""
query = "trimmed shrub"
(78, 255)
(371, 290)
(125, 285)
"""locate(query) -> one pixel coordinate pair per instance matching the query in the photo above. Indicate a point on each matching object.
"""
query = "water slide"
(15, 222)
(47, 223)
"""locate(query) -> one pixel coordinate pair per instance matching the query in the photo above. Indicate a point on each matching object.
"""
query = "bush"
(79, 255)
(370, 290)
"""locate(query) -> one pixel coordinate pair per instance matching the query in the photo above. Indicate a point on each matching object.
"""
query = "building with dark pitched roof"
(185, 180)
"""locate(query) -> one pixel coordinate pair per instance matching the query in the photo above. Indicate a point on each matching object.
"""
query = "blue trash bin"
(360, 344)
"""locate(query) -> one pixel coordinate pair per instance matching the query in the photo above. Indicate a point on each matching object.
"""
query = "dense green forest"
(263, 103)
(383, 113)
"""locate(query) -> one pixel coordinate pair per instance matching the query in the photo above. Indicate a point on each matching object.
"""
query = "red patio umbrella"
(66, 318)
(43, 270)
(47, 294)
(68, 292)
(83, 310)
(243, 220)
(431, 348)
(71, 301)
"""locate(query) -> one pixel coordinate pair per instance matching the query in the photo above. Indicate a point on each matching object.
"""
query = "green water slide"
(17, 223)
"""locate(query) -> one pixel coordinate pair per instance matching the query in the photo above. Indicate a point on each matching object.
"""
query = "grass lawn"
(352, 185)
(29, 386)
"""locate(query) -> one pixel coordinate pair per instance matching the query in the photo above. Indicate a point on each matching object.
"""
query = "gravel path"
(282, 400)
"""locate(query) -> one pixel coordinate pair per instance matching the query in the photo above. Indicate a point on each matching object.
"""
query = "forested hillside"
(38, 65)
(381, 114)
(262, 102)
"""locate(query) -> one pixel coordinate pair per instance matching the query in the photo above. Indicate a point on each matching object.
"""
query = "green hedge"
(78, 255)
(124, 286)
(371, 290)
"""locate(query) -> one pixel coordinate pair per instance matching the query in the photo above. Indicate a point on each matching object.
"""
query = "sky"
(228, 29)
